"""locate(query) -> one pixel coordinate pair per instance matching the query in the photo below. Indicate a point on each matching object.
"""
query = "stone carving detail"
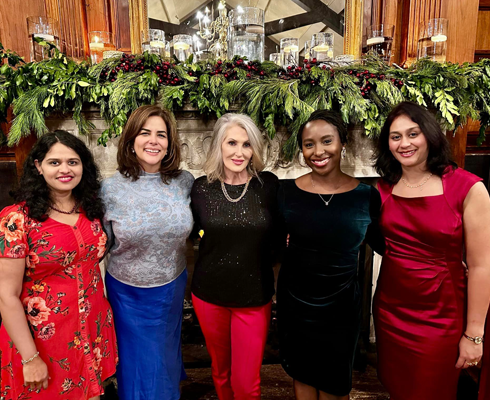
(195, 135)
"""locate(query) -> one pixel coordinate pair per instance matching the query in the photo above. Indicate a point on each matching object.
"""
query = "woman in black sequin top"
(233, 282)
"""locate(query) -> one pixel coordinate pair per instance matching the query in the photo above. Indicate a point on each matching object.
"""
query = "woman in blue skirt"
(148, 220)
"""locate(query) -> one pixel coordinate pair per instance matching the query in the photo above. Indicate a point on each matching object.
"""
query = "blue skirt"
(148, 324)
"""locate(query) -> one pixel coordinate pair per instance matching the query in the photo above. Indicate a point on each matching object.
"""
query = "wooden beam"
(171, 29)
(293, 22)
(330, 18)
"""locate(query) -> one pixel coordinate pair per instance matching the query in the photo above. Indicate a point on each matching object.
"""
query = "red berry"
(312, 82)
(220, 62)
(160, 81)
(226, 75)
(299, 69)
(373, 76)
(313, 60)
(324, 67)
(381, 77)
(366, 72)
(351, 72)
(262, 73)
(139, 61)
(358, 75)
(305, 60)
(158, 67)
(248, 75)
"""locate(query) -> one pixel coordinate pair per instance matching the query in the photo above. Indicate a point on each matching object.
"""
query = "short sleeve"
(13, 236)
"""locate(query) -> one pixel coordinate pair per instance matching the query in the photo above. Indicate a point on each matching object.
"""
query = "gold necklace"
(223, 188)
(416, 186)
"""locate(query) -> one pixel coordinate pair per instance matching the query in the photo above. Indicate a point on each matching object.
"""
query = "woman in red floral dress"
(57, 339)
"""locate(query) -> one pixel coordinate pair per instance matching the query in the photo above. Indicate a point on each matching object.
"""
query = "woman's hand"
(36, 374)
(469, 353)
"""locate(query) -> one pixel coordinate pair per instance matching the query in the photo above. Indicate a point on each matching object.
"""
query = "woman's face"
(321, 146)
(151, 144)
(236, 149)
(61, 168)
(407, 142)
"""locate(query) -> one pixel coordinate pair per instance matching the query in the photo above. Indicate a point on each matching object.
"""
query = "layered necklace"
(223, 188)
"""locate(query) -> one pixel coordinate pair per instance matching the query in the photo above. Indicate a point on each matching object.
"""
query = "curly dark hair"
(35, 192)
(127, 161)
(440, 155)
(330, 117)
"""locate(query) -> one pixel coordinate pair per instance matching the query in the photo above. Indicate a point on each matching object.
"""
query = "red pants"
(235, 338)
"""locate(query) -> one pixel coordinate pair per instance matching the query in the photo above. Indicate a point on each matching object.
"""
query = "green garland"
(272, 96)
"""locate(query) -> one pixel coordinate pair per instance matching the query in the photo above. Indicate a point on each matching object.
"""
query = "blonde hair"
(214, 166)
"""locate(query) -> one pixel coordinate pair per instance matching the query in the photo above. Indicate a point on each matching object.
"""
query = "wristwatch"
(476, 339)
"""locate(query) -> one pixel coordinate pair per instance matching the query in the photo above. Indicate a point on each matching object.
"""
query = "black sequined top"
(236, 254)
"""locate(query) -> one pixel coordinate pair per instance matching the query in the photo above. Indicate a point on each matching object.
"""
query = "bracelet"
(476, 339)
(24, 362)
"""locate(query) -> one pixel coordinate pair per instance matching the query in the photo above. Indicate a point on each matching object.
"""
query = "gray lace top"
(147, 224)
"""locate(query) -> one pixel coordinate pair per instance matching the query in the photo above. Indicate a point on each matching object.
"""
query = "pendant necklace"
(327, 202)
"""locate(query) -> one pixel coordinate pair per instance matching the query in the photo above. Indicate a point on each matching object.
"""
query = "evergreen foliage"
(363, 94)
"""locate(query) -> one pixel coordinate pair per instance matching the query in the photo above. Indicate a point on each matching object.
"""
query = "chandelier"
(215, 32)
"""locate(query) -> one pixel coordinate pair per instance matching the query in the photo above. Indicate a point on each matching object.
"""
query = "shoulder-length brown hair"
(127, 162)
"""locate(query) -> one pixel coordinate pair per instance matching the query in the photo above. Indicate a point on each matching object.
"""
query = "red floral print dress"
(63, 295)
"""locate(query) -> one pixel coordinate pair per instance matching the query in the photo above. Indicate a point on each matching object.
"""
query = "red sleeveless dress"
(420, 302)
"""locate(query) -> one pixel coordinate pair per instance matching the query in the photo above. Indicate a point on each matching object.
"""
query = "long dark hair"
(440, 155)
(330, 117)
(128, 164)
(35, 192)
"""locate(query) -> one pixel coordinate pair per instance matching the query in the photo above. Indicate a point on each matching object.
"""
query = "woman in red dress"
(57, 339)
(429, 317)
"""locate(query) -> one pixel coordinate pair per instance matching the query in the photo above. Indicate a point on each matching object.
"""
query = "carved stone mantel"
(195, 133)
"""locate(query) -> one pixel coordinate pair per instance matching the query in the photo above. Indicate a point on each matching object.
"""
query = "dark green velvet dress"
(318, 296)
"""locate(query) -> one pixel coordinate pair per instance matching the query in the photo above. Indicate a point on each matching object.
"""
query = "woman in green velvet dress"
(327, 215)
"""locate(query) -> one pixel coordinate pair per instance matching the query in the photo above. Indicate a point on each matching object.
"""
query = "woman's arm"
(14, 319)
(476, 223)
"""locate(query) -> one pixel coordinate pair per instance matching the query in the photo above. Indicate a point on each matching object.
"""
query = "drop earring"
(342, 153)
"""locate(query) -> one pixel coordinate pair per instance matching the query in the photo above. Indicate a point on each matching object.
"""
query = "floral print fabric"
(66, 309)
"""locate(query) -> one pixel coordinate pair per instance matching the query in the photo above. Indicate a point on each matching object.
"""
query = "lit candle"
(181, 46)
(375, 40)
(96, 44)
(289, 49)
(321, 48)
(157, 43)
(439, 38)
(44, 36)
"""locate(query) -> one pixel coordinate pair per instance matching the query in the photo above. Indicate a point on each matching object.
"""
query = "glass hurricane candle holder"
(290, 51)
(322, 46)
(153, 41)
(182, 46)
(99, 42)
(43, 28)
(247, 33)
(380, 40)
(433, 40)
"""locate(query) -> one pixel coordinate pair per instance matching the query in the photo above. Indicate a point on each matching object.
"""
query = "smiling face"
(321, 146)
(61, 168)
(151, 144)
(237, 151)
(407, 143)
